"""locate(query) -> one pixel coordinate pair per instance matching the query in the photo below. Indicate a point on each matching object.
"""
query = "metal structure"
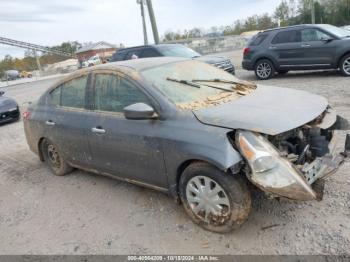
(153, 21)
(35, 48)
(312, 7)
(145, 39)
(7, 41)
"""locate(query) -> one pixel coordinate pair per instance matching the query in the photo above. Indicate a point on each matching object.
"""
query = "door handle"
(50, 123)
(305, 45)
(98, 130)
(273, 47)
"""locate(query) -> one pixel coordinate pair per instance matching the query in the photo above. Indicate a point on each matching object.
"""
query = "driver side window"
(113, 93)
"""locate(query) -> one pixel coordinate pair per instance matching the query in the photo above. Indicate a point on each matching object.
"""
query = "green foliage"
(288, 12)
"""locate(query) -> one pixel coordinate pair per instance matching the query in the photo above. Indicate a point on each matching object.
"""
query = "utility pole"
(37, 61)
(153, 21)
(141, 2)
(312, 7)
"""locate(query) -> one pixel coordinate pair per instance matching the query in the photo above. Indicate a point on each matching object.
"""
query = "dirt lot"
(83, 213)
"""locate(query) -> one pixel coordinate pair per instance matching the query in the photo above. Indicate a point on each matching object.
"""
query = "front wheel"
(217, 201)
(54, 158)
(264, 69)
(345, 65)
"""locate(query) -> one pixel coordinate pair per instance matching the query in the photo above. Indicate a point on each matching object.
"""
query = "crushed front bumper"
(322, 167)
(284, 179)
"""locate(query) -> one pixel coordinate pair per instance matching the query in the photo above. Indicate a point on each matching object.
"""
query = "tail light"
(26, 115)
(246, 51)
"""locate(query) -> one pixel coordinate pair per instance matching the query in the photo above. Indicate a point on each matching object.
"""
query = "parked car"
(11, 75)
(301, 47)
(26, 74)
(347, 27)
(9, 110)
(172, 50)
(94, 60)
(189, 129)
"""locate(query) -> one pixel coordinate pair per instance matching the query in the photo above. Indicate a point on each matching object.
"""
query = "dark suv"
(301, 47)
(171, 50)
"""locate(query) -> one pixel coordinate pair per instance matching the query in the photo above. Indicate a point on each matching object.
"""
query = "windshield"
(337, 31)
(177, 51)
(181, 93)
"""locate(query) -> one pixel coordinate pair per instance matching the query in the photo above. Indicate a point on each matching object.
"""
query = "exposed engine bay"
(303, 145)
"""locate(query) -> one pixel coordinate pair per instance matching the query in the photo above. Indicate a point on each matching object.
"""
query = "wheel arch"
(267, 58)
(174, 188)
(40, 151)
(341, 57)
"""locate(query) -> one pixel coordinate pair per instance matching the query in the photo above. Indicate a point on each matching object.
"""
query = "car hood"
(6, 103)
(210, 59)
(268, 110)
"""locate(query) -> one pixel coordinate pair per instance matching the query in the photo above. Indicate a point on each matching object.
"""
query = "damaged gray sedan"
(191, 130)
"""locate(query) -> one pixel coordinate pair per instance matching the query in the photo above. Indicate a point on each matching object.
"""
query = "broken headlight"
(269, 171)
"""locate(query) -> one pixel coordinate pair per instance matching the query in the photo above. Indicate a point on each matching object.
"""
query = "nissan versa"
(192, 130)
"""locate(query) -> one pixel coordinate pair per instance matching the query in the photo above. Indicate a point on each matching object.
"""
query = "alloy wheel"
(207, 199)
(346, 66)
(264, 70)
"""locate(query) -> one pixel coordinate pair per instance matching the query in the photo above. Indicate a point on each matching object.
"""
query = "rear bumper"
(247, 65)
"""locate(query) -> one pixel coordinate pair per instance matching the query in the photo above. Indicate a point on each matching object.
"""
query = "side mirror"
(2, 93)
(139, 111)
(327, 39)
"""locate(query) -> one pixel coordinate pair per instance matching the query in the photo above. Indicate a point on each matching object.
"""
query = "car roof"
(136, 64)
(144, 46)
(291, 27)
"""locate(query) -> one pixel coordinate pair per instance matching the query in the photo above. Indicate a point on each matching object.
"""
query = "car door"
(285, 48)
(123, 147)
(319, 49)
(68, 119)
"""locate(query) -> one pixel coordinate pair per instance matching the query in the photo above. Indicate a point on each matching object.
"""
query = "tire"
(344, 65)
(54, 159)
(282, 72)
(264, 69)
(233, 194)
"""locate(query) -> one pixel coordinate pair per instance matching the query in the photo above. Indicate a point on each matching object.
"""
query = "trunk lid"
(268, 110)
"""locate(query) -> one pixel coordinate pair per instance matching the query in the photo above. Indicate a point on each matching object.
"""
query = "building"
(103, 49)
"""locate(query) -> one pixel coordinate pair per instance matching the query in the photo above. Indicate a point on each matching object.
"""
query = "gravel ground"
(83, 213)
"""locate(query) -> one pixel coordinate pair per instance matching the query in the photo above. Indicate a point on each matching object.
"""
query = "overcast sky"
(51, 22)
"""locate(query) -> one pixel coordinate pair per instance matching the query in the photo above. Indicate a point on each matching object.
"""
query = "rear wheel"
(215, 200)
(345, 65)
(264, 69)
(54, 159)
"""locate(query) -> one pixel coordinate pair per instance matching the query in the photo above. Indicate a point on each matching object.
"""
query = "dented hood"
(268, 110)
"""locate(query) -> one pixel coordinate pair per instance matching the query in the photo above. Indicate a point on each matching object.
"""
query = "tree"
(281, 13)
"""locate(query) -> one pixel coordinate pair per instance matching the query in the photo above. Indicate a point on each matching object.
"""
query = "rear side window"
(119, 56)
(258, 40)
(73, 92)
(134, 54)
(149, 52)
(285, 37)
(113, 93)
